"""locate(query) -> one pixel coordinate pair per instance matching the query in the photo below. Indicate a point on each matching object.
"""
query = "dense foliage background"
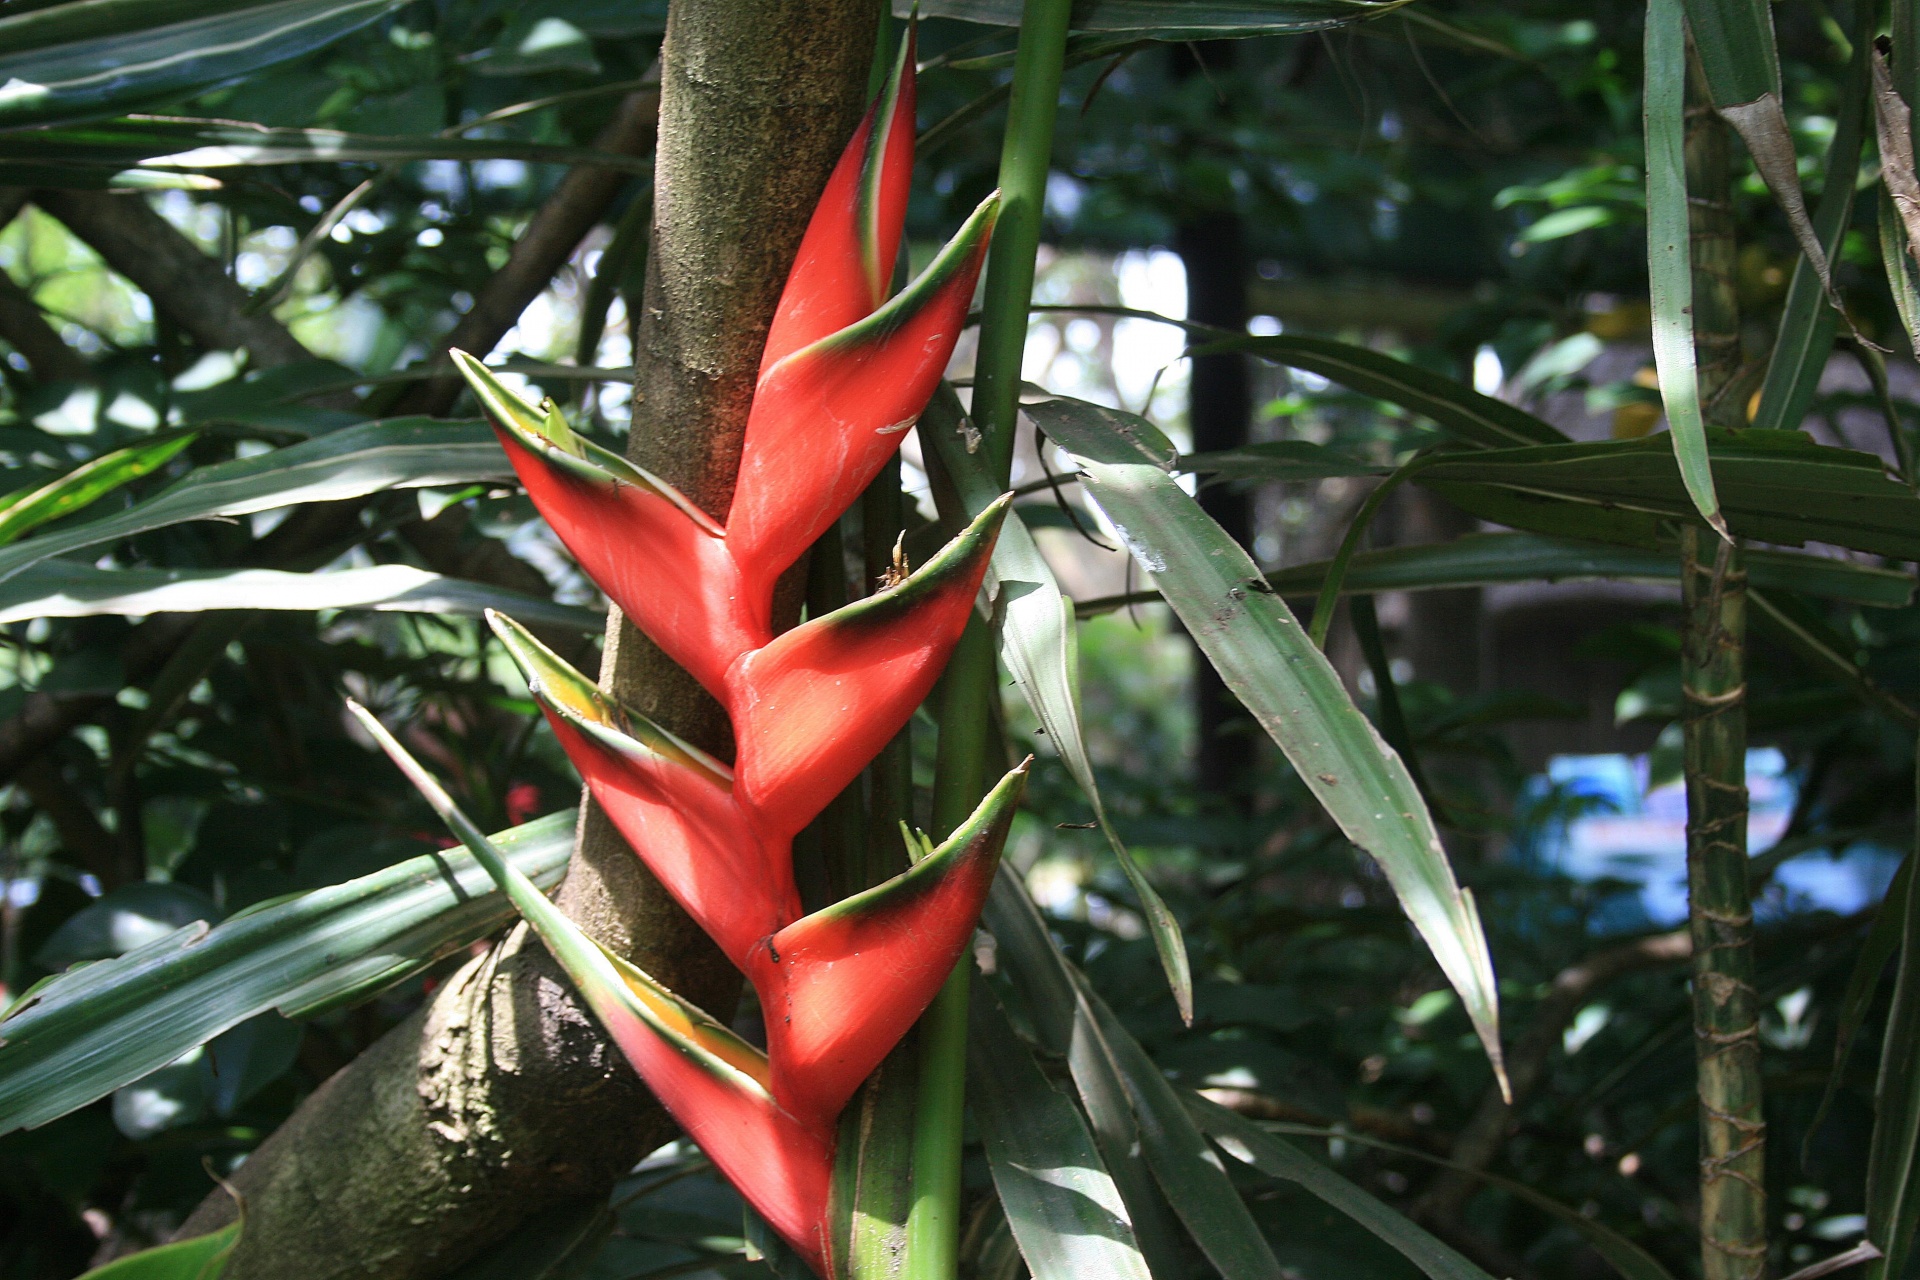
(1453, 182)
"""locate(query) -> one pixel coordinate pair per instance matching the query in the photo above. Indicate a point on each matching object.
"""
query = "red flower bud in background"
(845, 373)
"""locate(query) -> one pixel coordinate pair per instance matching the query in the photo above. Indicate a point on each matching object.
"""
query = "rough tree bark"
(501, 1097)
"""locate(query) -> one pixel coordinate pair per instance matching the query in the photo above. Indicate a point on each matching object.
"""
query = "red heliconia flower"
(846, 372)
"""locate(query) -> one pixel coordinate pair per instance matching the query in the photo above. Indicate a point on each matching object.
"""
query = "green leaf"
(1775, 486)
(1882, 940)
(1484, 559)
(1628, 1259)
(78, 1036)
(1061, 1203)
(404, 453)
(1172, 19)
(1278, 460)
(64, 589)
(1893, 1152)
(201, 145)
(115, 65)
(1456, 409)
(1188, 1171)
(1808, 322)
(85, 484)
(201, 1258)
(1252, 639)
(873, 1170)
(1039, 645)
(1735, 42)
(1248, 1143)
(1669, 250)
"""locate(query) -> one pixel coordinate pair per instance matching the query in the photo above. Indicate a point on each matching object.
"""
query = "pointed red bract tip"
(813, 707)
(845, 262)
(827, 418)
(841, 987)
(672, 577)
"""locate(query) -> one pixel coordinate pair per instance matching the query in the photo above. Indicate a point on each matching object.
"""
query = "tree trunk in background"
(1726, 1023)
(502, 1098)
(1212, 247)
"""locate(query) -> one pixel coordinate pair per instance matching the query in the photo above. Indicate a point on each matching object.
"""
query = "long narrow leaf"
(122, 68)
(78, 1037)
(1038, 643)
(85, 484)
(1669, 256)
(1249, 635)
(201, 1258)
(404, 453)
(1063, 1207)
(1250, 1144)
(63, 589)
(1172, 19)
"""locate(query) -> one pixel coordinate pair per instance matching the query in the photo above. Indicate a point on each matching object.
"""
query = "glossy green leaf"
(203, 145)
(1061, 1203)
(1774, 486)
(1172, 19)
(404, 453)
(64, 589)
(1039, 646)
(79, 1036)
(201, 1258)
(1248, 1143)
(116, 65)
(1251, 638)
(1669, 252)
(1484, 559)
(1893, 1153)
(1808, 322)
(87, 483)
(1278, 460)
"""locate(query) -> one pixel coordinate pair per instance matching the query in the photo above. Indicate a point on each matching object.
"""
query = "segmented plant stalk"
(1726, 1025)
(1726, 1014)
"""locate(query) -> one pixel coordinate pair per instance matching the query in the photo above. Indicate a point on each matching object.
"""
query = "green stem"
(960, 779)
(970, 685)
(1024, 159)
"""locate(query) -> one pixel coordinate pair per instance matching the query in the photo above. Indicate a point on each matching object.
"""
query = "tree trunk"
(502, 1097)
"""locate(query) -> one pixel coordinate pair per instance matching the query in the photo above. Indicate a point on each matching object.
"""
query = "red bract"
(845, 373)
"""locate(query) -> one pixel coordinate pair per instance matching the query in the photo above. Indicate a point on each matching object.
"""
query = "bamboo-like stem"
(970, 686)
(1024, 159)
(1733, 1205)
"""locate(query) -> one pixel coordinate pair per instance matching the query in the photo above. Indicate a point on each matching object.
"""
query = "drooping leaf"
(1252, 639)
(1065, 1212)
(64, 589)
(107, 64)
(79, 1036)
(1484, 559)
(1774, 486)
(1250, 1144)
(1039, 645)
(404, 453)
(20, 513)
(1804, 339)
(1669, 250)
